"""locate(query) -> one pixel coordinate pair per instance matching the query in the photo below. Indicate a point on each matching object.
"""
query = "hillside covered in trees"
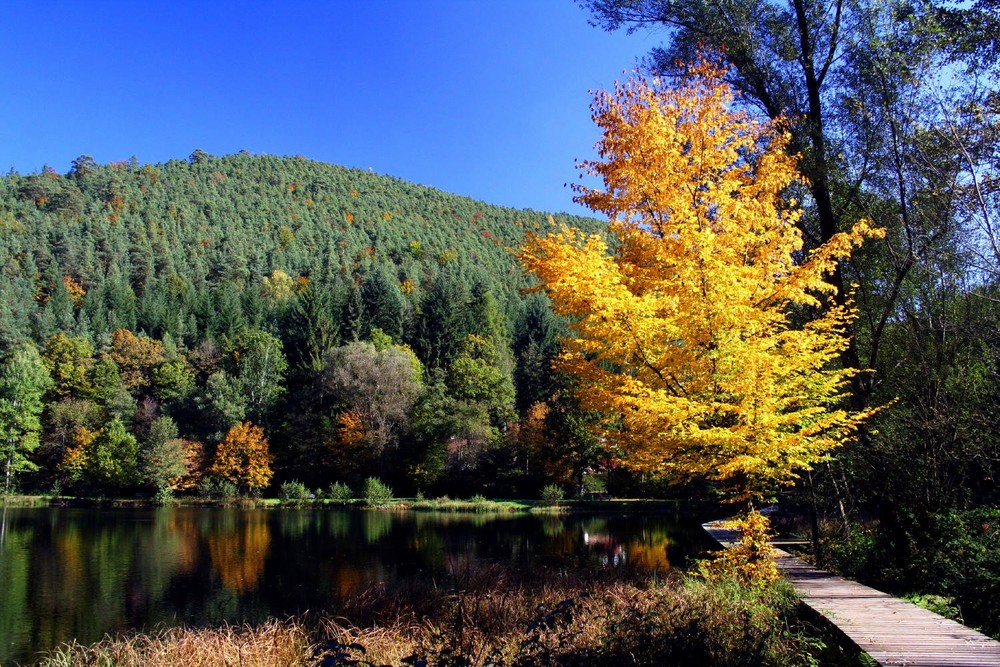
(352, 323)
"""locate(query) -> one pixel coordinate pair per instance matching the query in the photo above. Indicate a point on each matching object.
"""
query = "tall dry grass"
(493, 616)
(274, 643)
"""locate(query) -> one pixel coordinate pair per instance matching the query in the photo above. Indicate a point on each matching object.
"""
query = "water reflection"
(81, 573)
(239, 549)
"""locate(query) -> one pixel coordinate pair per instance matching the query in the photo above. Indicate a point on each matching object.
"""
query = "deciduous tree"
(243, 457)
(23, 382)
(379, 387)
(687, 335)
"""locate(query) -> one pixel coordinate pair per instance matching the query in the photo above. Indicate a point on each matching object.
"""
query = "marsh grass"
(495, 616)
(474, 504)
(273, 644)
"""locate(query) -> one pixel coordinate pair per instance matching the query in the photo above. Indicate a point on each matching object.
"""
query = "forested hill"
(201, 247)
(251, 320)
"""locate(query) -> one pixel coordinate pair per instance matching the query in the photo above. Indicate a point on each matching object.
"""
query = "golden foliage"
(279, 287)
(751, 562)
(243, 457)
(194, 463)
(74, 461)
(682, 334)
(347, 447)
(239, 555)
(136, 357)
(75, 290)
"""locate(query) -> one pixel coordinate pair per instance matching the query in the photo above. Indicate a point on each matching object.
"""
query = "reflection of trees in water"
(426, 543)
(646, 548)
(239, 554)
(337, 524)
(79, 568)
(376, 525)
(183, 524)
(348, 579)
(553, 526)
(646, 555)
(15, 612)
(69, 573)
(437, 519)
(295, 523)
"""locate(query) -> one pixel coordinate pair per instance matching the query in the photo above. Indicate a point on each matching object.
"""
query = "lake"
(80, 573)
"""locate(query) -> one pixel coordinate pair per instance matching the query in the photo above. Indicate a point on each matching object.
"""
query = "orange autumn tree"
(683, 334)
(243, 457)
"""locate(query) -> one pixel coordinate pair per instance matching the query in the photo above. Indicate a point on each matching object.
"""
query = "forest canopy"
(168, 304)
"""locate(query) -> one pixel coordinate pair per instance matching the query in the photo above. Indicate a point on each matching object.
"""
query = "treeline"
(259, 319)
(894, 110)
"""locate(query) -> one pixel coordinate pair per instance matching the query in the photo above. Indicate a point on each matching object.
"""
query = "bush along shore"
(495, 616)
(372, 494)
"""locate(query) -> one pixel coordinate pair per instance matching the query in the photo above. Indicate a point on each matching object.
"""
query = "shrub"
(552, 494)
(164, 496)
(376, 493)
(751, 562)
(594, 484)
(217, 488)
(339, 492)
(294, 490)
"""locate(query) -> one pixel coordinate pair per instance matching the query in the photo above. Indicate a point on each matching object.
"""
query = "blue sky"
(484, 99)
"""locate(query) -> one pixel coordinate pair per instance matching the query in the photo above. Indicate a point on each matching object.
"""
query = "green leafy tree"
(223, 404)
(69, 360)
(162, 455)
(23, 383)
(256, 362)
(477, 376)
(173, 380)
(112, 458)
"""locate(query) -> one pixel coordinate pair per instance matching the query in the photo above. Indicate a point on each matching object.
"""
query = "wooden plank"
(892, 631)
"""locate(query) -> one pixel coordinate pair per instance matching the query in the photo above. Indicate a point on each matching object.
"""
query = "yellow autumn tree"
(243, 457)
(702, 331)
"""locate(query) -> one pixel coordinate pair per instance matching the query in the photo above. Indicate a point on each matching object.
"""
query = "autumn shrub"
(376, 492)
(751, 561)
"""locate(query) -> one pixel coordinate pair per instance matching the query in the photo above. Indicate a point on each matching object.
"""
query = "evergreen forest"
(345, 324)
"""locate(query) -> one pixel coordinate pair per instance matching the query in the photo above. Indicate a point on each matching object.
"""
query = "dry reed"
(490, 616)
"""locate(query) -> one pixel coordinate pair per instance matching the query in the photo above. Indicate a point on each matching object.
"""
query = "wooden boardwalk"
(892, 631)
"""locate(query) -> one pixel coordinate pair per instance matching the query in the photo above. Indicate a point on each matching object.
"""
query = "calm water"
(81, 573)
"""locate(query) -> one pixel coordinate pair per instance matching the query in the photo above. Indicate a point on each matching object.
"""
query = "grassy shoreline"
(496, 616)
(443, 504)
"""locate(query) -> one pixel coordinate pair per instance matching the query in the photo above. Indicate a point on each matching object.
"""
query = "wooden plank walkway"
(892, 631)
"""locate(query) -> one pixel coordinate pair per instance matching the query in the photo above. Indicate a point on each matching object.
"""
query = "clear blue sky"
(487, 99)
